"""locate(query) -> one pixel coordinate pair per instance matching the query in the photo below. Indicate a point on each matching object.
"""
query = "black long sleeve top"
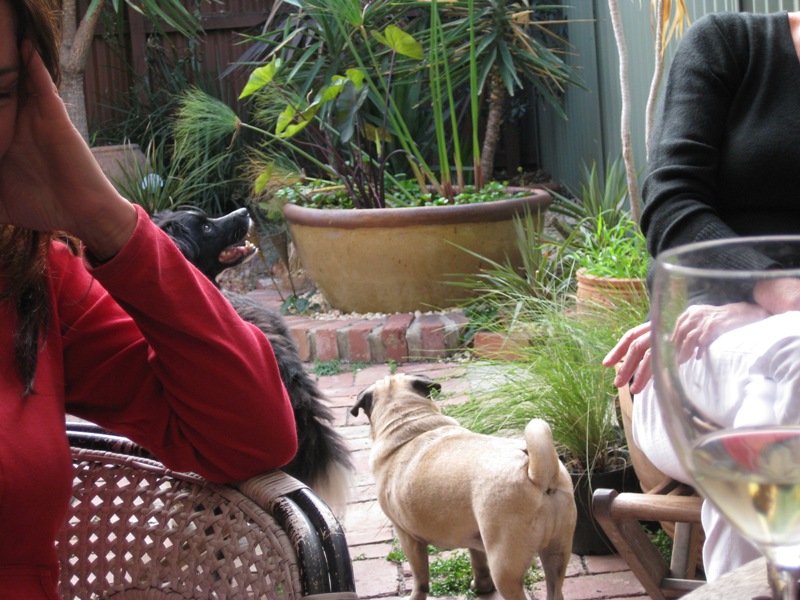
(725, 149)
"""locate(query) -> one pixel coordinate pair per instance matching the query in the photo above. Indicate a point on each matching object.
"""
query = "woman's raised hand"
(49, 179)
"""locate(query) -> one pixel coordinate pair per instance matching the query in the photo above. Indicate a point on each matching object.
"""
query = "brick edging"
(399, 338)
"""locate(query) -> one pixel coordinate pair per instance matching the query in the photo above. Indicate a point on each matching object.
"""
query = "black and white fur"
(213, 245)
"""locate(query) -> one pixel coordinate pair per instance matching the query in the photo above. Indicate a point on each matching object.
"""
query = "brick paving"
(369, 533)
(399, 342)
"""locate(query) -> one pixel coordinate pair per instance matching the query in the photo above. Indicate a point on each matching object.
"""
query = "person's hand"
(49, 179)
(695, 330)
(631, 356)
(700, 325)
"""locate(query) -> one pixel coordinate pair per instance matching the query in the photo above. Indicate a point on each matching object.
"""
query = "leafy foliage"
(558, 377)
(600, 235)
(209, 172)
(351, 89)
(616, 251)
(163, 185)
(451, 571)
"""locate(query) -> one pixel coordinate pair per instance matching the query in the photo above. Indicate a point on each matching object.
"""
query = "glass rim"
(662, 261)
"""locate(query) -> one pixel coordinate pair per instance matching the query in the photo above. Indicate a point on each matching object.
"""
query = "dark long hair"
(23, 253)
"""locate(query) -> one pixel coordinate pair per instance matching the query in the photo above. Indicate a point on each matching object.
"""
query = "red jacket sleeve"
(153, 351)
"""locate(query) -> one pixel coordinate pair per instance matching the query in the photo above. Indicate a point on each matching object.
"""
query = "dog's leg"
(417, 555)
(482, 582)
(555, 559)
(508, 563)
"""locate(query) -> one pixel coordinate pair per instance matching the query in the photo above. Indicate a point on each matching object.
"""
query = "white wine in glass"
(727, 369)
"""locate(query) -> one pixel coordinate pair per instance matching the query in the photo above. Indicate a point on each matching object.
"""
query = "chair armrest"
(315, 532)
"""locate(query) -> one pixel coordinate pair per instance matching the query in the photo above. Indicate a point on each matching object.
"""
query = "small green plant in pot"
(618, 250)
(600, 241)
(611, 264)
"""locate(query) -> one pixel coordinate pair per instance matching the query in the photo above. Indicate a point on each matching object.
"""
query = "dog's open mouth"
(237, 254)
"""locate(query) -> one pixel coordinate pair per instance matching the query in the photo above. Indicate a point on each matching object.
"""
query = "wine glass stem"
(787, 587)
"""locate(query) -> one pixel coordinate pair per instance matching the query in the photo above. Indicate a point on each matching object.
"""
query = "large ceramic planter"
(406, 259)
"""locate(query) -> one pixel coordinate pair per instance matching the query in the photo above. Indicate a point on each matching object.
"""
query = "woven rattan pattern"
(138, 530)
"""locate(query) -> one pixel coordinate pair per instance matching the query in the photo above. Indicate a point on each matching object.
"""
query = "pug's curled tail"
(543, 463)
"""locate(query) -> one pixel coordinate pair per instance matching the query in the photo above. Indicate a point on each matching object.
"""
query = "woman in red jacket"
(127, 334)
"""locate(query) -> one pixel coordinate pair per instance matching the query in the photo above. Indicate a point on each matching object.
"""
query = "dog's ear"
(424, 386)
(176, 228)
(364, 401)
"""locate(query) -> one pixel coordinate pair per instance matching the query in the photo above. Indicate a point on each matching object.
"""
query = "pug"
(438, 483)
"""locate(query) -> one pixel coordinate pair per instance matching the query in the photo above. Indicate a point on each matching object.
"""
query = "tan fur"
(505, 500)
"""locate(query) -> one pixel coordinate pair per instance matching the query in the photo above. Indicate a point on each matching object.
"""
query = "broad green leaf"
(284, 120)
(263, 179)
(357, 76)
(260, 77)
(346, 109)
(378, 135)
(400, 41)
(290, 122)
(330, 92)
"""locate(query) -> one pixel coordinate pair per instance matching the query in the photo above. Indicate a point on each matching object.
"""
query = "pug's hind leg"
(417, 555)
(482, 582)
(509, 565)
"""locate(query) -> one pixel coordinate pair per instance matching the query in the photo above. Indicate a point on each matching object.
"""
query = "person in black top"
(724, 162)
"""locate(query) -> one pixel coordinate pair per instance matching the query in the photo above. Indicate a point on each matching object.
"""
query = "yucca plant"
(512, 43)
(598, 195)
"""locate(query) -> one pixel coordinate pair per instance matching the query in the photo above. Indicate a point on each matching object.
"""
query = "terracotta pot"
(117, 160)
(595, 291)
(406, 259)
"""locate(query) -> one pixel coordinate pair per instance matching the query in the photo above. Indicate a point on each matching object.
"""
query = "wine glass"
(735, 430)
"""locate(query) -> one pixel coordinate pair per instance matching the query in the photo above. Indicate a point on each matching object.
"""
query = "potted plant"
(611, 264)
(357, 130)
(600, 240)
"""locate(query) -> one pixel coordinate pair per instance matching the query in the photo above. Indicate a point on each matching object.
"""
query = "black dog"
(213, 245)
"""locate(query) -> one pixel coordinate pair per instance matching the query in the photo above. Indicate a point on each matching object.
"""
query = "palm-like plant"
(515, 42)
(77, 36)
(489, 48)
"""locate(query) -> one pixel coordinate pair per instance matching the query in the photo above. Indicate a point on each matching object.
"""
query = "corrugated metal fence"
(119, 51)
(592, 131)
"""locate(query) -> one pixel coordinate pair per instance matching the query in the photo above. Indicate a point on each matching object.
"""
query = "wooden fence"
(120, 49)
